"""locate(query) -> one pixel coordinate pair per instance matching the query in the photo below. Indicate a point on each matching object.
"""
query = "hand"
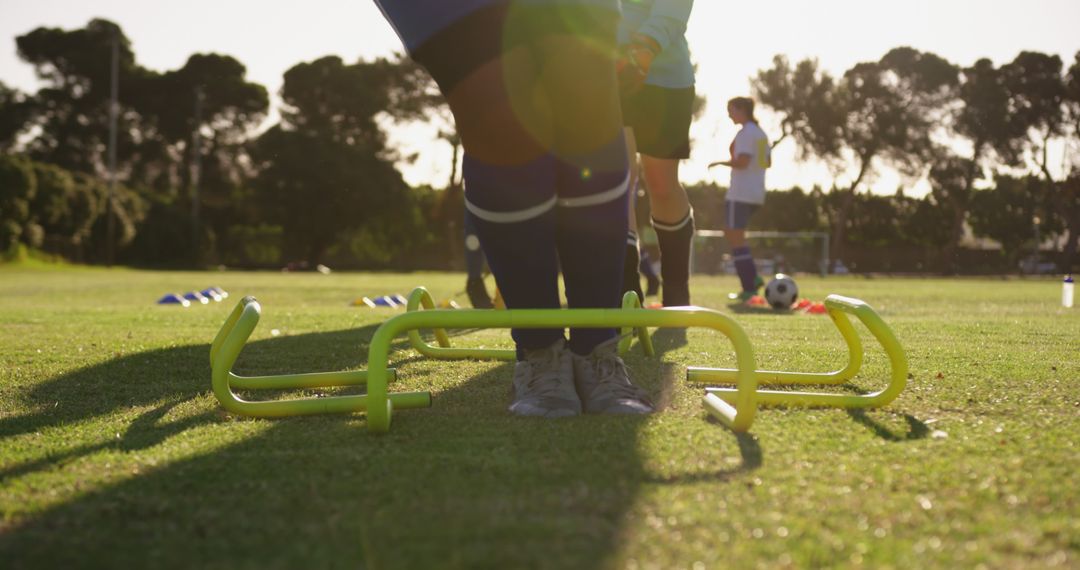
(632, 66)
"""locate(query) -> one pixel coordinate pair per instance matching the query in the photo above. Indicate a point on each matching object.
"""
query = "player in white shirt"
(751, 156)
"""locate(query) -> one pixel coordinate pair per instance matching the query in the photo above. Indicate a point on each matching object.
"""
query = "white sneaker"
(603, 383)
(544, 384)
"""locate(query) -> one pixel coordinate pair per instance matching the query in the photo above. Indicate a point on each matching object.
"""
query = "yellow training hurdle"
(735, 406)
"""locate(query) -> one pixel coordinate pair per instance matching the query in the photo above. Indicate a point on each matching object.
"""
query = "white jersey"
(748, 184)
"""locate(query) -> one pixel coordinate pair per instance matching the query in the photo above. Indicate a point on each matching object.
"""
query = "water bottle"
(1067, 292)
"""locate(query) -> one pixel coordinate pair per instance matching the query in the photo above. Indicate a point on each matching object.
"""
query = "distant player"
(474, 265)
(751, 155)
(657, 85)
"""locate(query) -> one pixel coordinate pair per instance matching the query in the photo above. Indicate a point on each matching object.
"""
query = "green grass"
(113, 452)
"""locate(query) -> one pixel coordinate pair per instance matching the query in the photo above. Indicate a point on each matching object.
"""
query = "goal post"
(823, 261)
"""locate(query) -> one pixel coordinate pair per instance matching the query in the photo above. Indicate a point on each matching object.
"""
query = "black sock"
(675, 259)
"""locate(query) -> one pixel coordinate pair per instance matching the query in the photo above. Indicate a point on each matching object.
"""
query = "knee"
(735, 238)
(665, 196)
(662, 187)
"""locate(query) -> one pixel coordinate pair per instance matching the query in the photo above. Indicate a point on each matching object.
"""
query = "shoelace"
(607, 368)
(544, 384)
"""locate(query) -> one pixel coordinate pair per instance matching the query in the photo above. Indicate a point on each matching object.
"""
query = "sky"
(730, 42)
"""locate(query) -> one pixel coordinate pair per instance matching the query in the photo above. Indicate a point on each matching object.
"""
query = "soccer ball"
(781, 292)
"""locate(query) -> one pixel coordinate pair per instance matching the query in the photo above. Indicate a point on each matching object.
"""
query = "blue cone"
(385, 301)
(196, 297)
(173, 299)
(212, 294)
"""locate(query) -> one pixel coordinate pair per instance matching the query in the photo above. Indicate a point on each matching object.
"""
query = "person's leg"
(673, 220)
(736, 218)
(631, 275)
(662, 126)
(474, 266)
(485, 65)
(508, 169)
(593, 186)
(651, 277)
(579, 81)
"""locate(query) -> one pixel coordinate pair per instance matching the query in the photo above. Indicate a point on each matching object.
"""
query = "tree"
(416, 98)
(203, 114)
(325, 169)
(1044, 101)
(790, 211)
(17, 189)
(883, 111)
(806, 99)
(1068, 194)
(72, 110)
(162, 116)
(983, 119)
(66, 209)
(15, 113)
(1008, 212)
(212, 86)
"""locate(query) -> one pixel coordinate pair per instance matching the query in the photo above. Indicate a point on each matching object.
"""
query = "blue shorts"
(737, 214)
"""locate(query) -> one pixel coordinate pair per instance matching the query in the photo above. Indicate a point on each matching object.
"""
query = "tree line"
(968, 129)
(203, 180)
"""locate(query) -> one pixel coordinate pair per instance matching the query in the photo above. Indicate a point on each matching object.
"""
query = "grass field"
(114, 453)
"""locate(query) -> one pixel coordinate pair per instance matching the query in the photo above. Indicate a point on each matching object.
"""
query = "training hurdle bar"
(838, 308)
(717, 399)
(379, 405)
(735, 407)
(230, 341)
(420, 299)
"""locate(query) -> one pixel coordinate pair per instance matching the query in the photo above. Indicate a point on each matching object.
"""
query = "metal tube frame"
(734, 407)
(379, 404)
(226, 348)
(420, 299)
(839, 308)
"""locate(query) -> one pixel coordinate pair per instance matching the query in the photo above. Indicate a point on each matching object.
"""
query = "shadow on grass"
(179, 373)
(460, 485)
(750, 459)
(666, 340)
(911, 429)
(144, 432)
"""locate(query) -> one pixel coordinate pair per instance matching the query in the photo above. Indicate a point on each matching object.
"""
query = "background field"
(113, 452)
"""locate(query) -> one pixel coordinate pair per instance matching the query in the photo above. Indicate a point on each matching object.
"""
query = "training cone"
(212, 295)
(448, 304)
(386, 301)
(221, 292)
(817, 309)
(196, 297)
(757, 301)
(174, 299)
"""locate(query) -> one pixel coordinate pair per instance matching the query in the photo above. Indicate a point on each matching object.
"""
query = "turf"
(114, 453)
